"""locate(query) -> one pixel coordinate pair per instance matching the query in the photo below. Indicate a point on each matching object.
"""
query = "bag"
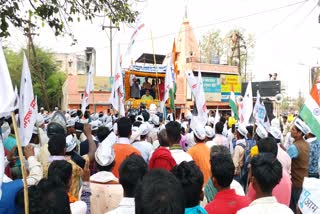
(309, 199)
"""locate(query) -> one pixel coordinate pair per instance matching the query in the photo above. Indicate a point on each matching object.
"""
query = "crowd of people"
(146, 164)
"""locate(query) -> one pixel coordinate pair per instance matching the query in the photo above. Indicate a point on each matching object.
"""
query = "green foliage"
(46, 64)
(58, 13)
(213, 44)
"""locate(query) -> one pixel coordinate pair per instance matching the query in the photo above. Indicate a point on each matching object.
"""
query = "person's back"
(131, 172)
(282, 191)
(314, 155)
(122, 148)
(106, 192)
(159, 192)
(162, 157)
(226, 200)
(191, 179)
(266, 173)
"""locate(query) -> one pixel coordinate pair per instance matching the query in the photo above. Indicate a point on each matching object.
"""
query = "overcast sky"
(286, 39)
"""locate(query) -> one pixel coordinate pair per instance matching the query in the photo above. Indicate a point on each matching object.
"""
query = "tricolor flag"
(89, 87)
(28, 109)
(233, 105)
(117, 94)
(315, 92)
(169, 84)
(310, 113)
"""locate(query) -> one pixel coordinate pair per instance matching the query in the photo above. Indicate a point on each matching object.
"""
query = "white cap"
(275, 123)
(152, 108)
(144, 129)
(189, 115)
(140, 118)
(41, 108)
(200, 132)
(94, 125)
(209, 131)
(211, 120)
(105, 153)
(261, 131)
(275, 132)
(155, 120)
(56, 108)
(40, 120)
(71, 143)
(302, 126)
(190, 142)
(242, 130)
(71, 122)
(135, 134)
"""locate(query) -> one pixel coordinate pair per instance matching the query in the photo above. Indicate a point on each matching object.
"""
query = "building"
(71, 63)
(73, 89)
(218, 79)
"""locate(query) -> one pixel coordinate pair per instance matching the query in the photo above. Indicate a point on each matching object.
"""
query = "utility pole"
(111, 27)
(38, 72)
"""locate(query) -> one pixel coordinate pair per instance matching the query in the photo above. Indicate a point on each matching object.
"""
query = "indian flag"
(233, 105)
(310, 113)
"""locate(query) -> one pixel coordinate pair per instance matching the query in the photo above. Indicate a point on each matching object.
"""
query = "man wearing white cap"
(106, 192)
(239, 150)
(209, 136)
(200, 152)
(299, 153)
(282, 155)
(153, 134)
(219, 138)
(314, 154)
(143, 145)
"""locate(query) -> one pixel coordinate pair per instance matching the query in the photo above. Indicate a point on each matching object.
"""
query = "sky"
(287, 39)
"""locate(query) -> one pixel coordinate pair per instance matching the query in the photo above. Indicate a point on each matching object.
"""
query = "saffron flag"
(28, 110)
(310, 113)
(117, 94)
(246, 107)
(89, 87)
(7, 96)
(315, 93)
(233, 105)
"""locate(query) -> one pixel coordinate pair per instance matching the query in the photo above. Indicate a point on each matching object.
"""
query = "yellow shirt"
(146, 97)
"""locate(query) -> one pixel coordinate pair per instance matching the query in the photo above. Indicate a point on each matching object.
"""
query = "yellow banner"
(229, 81)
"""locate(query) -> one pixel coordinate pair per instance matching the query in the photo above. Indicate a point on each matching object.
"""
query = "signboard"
(229, 82)
(212, 88)
(103, 84)
(149, 68)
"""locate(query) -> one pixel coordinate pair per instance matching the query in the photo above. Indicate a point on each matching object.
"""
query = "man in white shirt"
(143, 145)
(131, 172)
(219, 139)
(265, 174)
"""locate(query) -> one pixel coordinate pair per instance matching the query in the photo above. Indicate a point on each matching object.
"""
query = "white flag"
(89, 87)
(168, 82)
(246, 107)
(28, 110)
(259, 110)
(7, 95)
(216, 117)
(133, 38)
(202, 117)
(117, 94)
(192, 82)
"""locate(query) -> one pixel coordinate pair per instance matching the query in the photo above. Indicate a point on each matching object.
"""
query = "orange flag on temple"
(174, 57)
(315, 93)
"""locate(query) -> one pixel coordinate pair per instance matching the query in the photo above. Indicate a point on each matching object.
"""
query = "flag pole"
(23, 169)
(155, 65)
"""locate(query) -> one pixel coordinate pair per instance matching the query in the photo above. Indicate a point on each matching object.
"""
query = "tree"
(58, 13)
(236, 44)
(48, 84)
